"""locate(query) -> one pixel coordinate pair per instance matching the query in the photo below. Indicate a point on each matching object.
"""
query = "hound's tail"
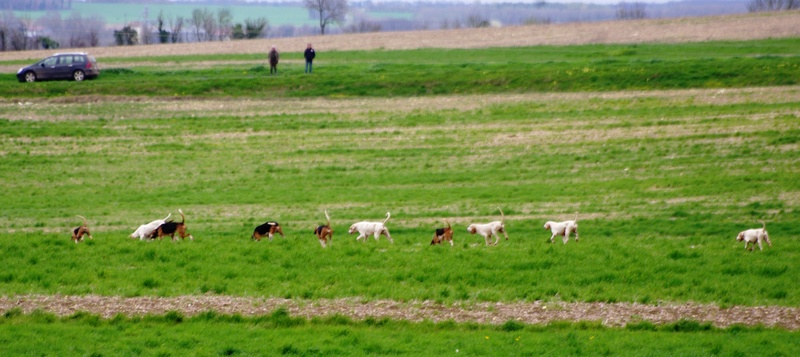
(388, 215)
(183, 218)
(503, 219)
(763, 225)
(448, 223)
(576, 217)
(84, 220)
(167, 217)
(328, 218)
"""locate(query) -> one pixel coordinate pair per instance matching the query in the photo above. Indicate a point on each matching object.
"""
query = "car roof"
(70, 53)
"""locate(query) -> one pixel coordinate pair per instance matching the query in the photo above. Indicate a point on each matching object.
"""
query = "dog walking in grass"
(751, 237)
(145, 231)
(375, 229)
(443, 235)
(79, 232)
(170, 228)
(490, 229)
(563, 229)
(325, 233)
(267, 230)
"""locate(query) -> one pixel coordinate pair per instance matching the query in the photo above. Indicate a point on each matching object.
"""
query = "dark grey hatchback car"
(75, 66)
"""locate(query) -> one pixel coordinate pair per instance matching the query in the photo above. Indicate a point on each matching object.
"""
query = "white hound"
(563, 229)
(490, 229)
(145, 230)
(375, 229)
(754, 236)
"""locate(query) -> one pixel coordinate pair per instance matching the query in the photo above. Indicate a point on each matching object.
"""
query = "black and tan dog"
(170, 228)
(267, 229)
(79, 232)
(443, 234)
(325, 233)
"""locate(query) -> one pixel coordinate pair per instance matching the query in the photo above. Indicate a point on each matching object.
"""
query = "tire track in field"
(610, 314)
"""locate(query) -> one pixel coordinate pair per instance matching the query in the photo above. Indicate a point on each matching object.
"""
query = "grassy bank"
(212, 334)
(437, 72)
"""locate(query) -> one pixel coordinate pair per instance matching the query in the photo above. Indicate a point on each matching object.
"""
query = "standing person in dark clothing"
(273, 60)
(309, 55)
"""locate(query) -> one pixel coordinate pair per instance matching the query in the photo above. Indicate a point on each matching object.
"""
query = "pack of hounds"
(160, 228)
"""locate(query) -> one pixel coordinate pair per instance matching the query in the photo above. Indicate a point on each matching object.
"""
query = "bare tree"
(772, 5)
(225, 22)
(210, 26)
(176, 28)
(363, 25)
(204, 24)
(4, 30)
(476, 21)
(631, 11)
(52, 21)
(146, 37)
(327, 11)
(76, 30)
(18, 34)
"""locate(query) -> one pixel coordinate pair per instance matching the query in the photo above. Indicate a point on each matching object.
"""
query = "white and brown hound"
(563, 229)
(490, 229)
(754, 236)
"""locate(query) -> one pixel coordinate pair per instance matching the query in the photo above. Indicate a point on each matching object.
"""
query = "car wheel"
(78, 76)
(30, 77)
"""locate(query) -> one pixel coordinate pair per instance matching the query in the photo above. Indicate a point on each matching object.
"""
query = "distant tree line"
(331, 16)
(35, 5)
(19, 34)
(203, 25)
(773, 5)
(631, 11)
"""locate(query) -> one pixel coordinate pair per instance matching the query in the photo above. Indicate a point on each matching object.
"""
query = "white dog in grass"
(375, 229)
(563, 229)
(754, 236)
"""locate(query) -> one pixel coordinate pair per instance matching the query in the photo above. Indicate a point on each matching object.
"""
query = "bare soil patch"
(690, 29)
(610, 314)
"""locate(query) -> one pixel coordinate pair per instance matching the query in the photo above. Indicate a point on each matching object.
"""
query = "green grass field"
(664, 172)
(428, 72)
(212, 334)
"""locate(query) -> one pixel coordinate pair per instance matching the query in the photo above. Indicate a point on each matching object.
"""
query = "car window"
(64, 59)
(78, 59)
(50, 62)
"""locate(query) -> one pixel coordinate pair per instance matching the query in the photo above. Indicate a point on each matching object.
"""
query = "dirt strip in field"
(610, 314)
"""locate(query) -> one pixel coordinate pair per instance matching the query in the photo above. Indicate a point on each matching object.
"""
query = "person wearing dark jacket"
(309, 54)
(273, 57)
